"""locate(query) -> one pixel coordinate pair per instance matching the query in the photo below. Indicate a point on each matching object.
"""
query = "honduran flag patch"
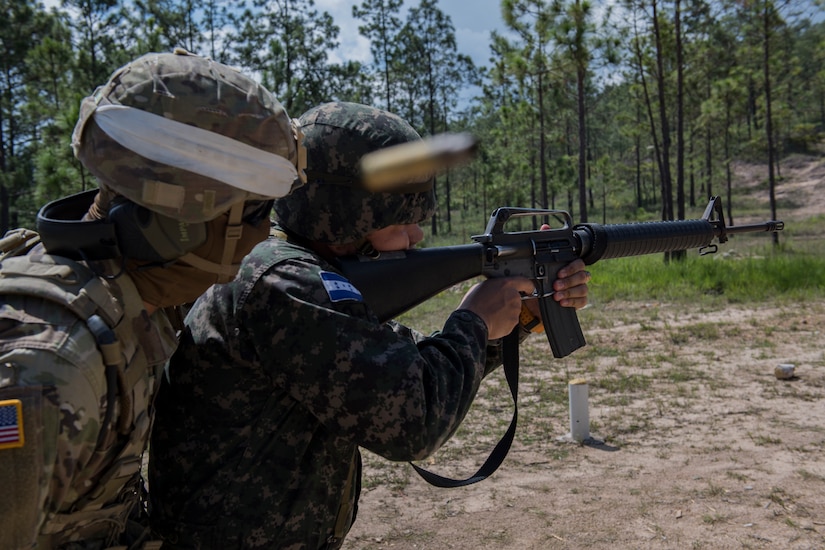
(339, 288)
(11, 424)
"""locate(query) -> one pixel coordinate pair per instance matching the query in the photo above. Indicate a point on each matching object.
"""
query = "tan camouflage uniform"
(51, 362)
(79, 354)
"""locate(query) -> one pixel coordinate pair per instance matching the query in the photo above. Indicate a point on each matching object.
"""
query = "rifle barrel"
(769, 226)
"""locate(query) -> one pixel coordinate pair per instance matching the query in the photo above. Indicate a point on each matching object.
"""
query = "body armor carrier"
(105, 490)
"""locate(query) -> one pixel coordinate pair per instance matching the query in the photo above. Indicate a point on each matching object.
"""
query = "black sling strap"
(511, 361)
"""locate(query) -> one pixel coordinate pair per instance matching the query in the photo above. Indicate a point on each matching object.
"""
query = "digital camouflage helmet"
(334, 207)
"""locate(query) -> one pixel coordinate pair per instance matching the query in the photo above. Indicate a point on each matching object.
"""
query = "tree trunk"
(769, 117)
(680, 126)
(664, 160)
(680, 117)
(542, 143)
(728, 177)
(582, 145)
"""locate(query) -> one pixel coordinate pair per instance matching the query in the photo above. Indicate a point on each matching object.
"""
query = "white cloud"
(473, 24)
(352, 46)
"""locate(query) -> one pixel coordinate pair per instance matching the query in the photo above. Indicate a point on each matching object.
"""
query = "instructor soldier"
(188, 154)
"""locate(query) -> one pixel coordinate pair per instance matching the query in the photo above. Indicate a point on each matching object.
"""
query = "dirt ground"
(694, 441)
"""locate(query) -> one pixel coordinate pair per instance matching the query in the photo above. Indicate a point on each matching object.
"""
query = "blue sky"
(472, 19)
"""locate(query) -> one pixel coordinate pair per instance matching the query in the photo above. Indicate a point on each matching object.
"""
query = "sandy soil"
(695, 442)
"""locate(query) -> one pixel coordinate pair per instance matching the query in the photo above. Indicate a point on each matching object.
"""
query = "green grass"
(792, 275)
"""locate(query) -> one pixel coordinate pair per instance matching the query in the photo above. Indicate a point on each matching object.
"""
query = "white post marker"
(579, 413)
(580, 416)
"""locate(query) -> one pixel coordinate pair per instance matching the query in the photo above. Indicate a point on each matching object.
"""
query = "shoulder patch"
(11, 424)
(339, 288)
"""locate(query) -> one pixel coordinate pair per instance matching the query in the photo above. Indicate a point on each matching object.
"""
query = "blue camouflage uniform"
(283, 373)
(278, 379)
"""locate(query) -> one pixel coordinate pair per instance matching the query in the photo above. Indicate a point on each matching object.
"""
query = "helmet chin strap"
(225, 270)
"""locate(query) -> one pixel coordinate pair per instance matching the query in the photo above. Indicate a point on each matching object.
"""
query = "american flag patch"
(340, 289)
(11, 424)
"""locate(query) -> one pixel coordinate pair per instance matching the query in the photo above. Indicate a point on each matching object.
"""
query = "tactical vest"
(130, 351)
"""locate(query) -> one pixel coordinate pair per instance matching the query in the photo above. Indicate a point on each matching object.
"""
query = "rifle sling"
(511, 364)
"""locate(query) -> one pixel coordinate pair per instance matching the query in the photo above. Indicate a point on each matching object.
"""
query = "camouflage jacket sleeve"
(399, 396)
(280, 376)
(494, 355)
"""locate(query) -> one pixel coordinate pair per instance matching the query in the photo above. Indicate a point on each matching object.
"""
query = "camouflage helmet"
(186, 137)
(334, 207)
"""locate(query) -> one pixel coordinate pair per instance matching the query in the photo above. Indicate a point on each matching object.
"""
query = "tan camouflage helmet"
(333, 207)
(186, 137)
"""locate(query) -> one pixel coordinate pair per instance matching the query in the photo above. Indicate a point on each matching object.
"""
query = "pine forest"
(613, 111)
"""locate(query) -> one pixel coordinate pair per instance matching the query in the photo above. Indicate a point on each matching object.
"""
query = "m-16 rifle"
(392, 283)
(395, 282)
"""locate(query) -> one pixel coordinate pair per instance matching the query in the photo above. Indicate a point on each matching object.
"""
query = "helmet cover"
(333, 207)
(209, 98)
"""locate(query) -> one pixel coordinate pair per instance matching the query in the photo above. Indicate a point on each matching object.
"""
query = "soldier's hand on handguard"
(571, 285)
(569, 289)
(498, 303)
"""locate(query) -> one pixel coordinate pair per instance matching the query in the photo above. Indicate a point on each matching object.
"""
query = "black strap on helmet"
(129, 230)
(63, 231)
